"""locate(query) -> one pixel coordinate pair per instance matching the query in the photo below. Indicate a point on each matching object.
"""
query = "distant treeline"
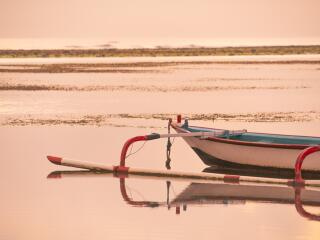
(154, 52)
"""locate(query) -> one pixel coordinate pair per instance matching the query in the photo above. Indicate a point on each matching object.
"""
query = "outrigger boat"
(242, 149)
(229, 148)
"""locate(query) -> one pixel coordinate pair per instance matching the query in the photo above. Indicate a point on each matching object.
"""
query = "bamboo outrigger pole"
(123, 170)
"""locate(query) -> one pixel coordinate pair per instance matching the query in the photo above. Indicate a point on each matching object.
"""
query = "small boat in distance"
(250, 150)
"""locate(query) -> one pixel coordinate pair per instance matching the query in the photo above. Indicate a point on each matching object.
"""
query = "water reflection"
(206, 193)
(263, 172)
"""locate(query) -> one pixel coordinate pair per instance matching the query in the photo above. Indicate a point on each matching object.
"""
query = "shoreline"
(145, 64)
(133, 66)
(127, 119)
(162, 52)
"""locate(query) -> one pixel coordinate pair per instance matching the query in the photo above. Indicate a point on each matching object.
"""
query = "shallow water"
(38, 201)
(91, 43)
(91, 206)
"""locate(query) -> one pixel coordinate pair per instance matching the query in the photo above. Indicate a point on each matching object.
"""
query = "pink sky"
(120, 19)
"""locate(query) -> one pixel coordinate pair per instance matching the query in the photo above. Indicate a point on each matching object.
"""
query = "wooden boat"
(242, 149)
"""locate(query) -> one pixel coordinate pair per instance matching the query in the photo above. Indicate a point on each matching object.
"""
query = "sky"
(150, 19)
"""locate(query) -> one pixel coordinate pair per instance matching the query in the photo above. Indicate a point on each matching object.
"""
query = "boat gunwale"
(253, 144)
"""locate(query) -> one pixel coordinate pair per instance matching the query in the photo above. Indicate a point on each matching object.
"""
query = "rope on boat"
(132, 153)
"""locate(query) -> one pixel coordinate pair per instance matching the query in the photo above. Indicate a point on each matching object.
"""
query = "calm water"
(43, 201)
(85, 43)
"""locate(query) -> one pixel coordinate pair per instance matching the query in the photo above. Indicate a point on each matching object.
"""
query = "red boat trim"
(177, 210)
(231, 178)
(54, 175)
(120, 171)
(253, 144)
(178, 118)
(55, 160)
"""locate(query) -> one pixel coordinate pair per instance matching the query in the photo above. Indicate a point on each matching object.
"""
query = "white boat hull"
(240, 155)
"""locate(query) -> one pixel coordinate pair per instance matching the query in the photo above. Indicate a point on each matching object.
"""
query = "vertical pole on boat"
(129, 142)
(169, 145)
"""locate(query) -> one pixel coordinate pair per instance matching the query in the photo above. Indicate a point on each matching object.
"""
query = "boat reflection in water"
(263, 172)
(205, 192)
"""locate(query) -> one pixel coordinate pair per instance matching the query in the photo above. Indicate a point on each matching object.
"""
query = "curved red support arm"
(300, 209)
(127, 145)
(298, 177)
(129, 142)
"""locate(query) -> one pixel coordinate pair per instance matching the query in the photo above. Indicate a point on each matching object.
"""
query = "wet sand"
(128, 120)
(93, 125)
(164, 51)
(277, 91)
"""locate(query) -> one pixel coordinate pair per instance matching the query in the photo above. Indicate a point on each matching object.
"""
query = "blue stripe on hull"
(262, 137)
